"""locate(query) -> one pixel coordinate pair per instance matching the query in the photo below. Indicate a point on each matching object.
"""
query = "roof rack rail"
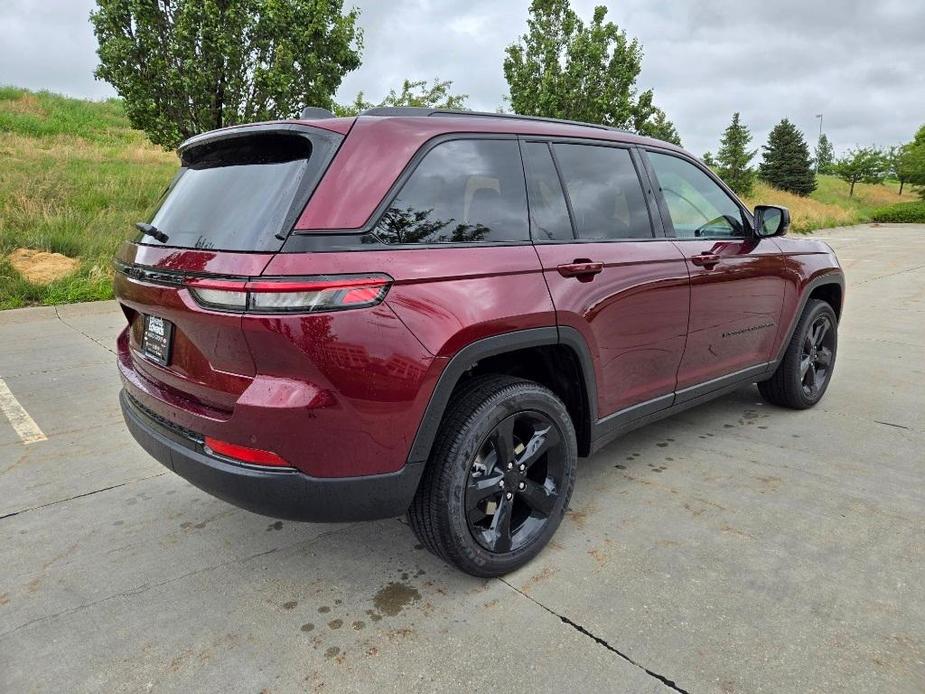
(315, 113)
(427, 112)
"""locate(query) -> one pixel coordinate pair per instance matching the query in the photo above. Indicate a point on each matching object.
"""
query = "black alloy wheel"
(817, 355)
(805, 370)
(499, 477)
(514, 482)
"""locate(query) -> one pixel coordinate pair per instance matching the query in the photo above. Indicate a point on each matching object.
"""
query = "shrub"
(904, 212)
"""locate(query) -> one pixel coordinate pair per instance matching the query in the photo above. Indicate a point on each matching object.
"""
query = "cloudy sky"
(859, 62)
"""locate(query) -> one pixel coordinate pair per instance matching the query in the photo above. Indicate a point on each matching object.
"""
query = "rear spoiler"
(318, 136)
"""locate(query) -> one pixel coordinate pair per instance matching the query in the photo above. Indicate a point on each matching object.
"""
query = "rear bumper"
(286, 494)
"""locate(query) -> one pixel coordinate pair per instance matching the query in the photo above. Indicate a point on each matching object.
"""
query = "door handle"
(705, 259)
(582, 268)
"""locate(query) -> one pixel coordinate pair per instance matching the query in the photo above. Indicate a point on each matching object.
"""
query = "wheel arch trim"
(495, 345)
(832, 277)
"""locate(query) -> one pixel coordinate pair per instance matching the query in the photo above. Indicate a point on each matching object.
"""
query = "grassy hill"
(829, 205)
(75, 177)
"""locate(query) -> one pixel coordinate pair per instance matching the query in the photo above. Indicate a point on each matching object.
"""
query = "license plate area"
(156, 339)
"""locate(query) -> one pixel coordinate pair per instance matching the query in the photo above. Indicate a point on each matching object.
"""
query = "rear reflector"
(252, 456)
(291, 295)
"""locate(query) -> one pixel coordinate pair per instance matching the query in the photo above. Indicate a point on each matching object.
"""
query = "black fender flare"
(835, 277)
(491, 346)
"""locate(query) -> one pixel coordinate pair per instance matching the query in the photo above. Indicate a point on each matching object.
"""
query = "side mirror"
(771, 220)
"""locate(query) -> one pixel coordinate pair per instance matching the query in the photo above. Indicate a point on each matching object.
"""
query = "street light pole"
(819, 116)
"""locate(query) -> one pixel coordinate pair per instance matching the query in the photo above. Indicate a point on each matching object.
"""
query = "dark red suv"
(437, 313)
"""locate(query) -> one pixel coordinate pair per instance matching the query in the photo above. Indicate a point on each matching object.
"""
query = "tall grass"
(75, 177)
(829, 205)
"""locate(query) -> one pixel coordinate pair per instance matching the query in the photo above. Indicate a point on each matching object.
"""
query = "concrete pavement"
(733, 548)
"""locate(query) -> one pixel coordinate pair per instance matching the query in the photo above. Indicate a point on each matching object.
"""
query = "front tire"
(499, 477)
(804, 373)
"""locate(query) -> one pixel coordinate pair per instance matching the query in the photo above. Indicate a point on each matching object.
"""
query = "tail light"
(244, 454)
(291, 295)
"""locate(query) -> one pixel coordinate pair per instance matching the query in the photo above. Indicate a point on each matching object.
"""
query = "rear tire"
(803, 375)
(499, 477)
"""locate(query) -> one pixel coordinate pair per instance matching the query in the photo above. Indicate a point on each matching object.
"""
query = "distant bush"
(904, 212)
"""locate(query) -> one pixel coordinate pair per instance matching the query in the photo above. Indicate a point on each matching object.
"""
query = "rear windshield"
(235, 195)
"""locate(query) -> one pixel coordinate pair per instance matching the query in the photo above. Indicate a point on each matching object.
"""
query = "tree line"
(184, 66)
(786, 162)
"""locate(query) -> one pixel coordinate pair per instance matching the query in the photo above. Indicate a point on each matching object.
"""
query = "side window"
(605, 192)
(549, 220)
(463, 191)
(699, 208)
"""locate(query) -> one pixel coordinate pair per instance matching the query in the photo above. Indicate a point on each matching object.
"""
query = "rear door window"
(462, 191)
(237, 194)
(604, 191)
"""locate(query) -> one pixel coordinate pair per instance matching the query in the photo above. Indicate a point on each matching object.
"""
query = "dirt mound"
(41, 267)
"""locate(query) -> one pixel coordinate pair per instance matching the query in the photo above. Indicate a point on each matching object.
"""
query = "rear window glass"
(463, 191)
(234, 195)
(606, 195)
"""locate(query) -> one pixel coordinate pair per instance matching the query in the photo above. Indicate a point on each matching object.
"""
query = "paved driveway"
(733, 548)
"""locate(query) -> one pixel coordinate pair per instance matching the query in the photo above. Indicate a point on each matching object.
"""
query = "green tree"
(913, 169)
(895, 165)
(564, 68)
(911, 164)
(659, 127)
(709, 160)
(734, 157)
(825, 155)
(786, 162)
(861, 165)
(186, 66)
(413, 93)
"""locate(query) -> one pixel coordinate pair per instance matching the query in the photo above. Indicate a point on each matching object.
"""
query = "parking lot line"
(25, 426)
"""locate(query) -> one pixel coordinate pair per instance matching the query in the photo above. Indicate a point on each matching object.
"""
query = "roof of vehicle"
(454, 120)
(380, 142)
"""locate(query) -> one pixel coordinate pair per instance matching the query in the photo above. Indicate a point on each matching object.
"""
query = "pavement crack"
(671, 684)
(78, 496)
(78, 330)
(888, 274)
(890, 424)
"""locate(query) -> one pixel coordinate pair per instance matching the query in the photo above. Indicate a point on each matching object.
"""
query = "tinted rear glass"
(606, 195)
(463, 191)
(235, 195)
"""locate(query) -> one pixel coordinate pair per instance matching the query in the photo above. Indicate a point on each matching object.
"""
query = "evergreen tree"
(786, 164)
(709, 160)
(825, 155)
(734, 158)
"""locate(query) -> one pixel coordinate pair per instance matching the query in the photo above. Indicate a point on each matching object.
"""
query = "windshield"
(234, 195)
